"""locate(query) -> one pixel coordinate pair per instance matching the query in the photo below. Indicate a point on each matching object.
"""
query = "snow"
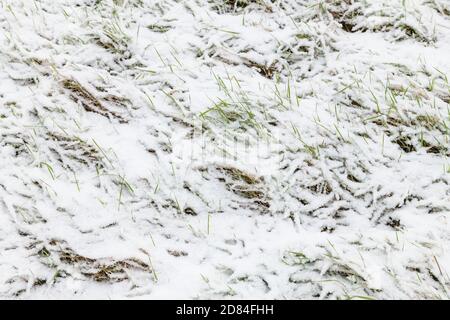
(271, 149)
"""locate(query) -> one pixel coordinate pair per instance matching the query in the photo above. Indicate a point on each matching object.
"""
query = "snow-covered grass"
(274, 149)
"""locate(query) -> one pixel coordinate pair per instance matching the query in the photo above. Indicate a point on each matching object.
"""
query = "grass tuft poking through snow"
(276, 149)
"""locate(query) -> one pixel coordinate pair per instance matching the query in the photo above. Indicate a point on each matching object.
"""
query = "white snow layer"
(273, 149)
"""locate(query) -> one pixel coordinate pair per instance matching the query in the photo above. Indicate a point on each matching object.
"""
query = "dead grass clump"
(405, 144)
(235, 6)
(75, 149)
(428, 121)
(247, 186)
(321, 187)
(239, 175)
(344, 12)
(101, 270)
(159, 28)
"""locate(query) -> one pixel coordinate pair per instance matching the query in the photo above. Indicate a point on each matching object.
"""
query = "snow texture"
(272, 149)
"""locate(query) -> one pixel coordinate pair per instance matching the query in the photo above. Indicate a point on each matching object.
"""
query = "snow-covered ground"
(273, 149)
